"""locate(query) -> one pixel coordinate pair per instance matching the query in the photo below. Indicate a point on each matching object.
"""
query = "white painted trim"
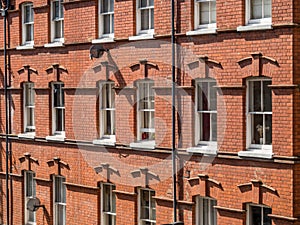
(254, 27)
(26, 211)
(24, 42)
(54, 44)
(103, 40)
(147, 144)
(109, 141)
(25, 47)
(202, 31)
(142, 37)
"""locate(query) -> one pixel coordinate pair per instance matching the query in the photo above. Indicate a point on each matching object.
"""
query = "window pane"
(204, 13)
(145, 19)
(55, 10)
(143, 3)
(58, 98)
(58, 29)
(202, 96)
(255, 96)
(212, 96)
(213, 12)
(205, 211)
(267, 8)
(29, 184)
(268, 129)
(29, 32)
(60, 119)
(267, 220)
(152, 18)
(256, 6)
(104, 6)
(106, 198)
(267, 96)
(28, 11)
(29, 95)
(256, 215)
(257, 129)
(205, 125)
(213, 127)
(106, 24)
(60, 214)
(112, 23)
(30, 120)
(151, 2)
(113, 207)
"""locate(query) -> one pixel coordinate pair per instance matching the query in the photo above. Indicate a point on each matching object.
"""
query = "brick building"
(91, 139)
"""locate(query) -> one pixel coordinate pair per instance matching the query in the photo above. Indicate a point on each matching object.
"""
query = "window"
(58, 109)
(259, 11)
(145, 16)
(146, 130)
(57, 24)
(59, 197)
(28, 102)
(27, 24)
(106, 18)
(205, 14)
(147, 208)
(29, 193)
(107, 109)
(108, 204)
(259, 114)
(206, 114)
(258, 215)
(206, 214)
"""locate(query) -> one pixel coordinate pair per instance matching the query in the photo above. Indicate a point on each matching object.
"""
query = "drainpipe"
(174, 151)
(4, 13)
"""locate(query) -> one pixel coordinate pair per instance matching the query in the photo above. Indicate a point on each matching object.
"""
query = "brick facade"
(227, 177)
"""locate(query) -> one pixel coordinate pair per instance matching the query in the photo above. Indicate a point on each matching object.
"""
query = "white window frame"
(249, 21)
(249, 212)
(197, 15)
(139, 18)
(102, 14)
(107, 96)
(198, 118)
(55, 130)
(58, 19)
(59, 204)
(201, 210)
(29, 182)
(26, 24)
(141, 112)
(143, 221)
(108, 217)
(250, 145)
(30, 108)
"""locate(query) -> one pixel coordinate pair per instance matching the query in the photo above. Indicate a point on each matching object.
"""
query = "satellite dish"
(33, 204)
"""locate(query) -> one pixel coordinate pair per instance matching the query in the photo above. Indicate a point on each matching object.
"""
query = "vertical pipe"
(173, 113)
(6, 119)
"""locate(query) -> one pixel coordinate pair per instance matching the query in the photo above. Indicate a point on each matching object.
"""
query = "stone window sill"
(28, 135)
(202, 31)
(256, 153)
(109, 141)
(146, 144)
(54, 45)
(103, 40)
(60, 138)
(254, 27)
(25, 47)
(141, 37)
(204, 148)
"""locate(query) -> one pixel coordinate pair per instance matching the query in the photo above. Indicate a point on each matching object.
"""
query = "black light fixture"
(96, 51)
